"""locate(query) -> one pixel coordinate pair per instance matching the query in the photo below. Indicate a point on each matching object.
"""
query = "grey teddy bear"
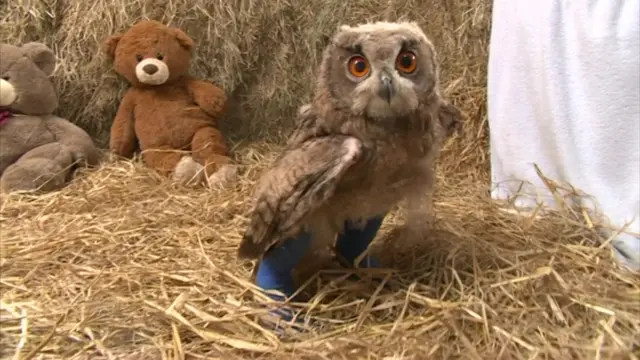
(38, 150)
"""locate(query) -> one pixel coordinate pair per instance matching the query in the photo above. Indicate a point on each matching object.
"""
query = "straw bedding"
(123, 264)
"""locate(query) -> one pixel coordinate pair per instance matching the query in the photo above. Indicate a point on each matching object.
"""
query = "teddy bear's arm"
(123, 135)
(208, 96)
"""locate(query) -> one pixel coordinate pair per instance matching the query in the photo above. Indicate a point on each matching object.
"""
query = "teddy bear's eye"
(160, 56)
(6, 78)
(139, 58)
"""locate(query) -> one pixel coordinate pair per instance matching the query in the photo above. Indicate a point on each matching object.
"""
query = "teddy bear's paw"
(225, 175)
(188, 171)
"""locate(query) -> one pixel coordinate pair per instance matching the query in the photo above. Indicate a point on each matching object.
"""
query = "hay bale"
(262, 52)
(125, 265)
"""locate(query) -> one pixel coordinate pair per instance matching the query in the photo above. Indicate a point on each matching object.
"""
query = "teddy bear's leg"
(44, 168)
(166, 160)
(209, 148)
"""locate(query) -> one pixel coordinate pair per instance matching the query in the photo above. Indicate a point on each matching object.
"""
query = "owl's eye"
(406, 62)
(358, 66)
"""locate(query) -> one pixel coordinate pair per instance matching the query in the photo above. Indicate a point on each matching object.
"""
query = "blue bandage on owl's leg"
(276, 266)
(355, 240)
(274, 271)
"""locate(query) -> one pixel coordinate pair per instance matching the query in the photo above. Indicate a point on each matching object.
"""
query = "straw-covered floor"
(123, 264)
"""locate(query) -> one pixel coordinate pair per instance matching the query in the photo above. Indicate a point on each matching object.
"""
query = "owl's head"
(381, 70)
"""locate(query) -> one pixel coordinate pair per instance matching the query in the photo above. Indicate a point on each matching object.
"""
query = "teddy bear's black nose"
(150, 69)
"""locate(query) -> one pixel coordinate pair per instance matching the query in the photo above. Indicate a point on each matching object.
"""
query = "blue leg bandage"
(274, 271)
(355, 241)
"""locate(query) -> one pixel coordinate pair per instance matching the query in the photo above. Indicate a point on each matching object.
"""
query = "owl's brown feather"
(300, 181)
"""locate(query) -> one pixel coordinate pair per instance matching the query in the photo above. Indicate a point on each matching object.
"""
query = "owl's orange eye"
(406, 62)
(358, 66)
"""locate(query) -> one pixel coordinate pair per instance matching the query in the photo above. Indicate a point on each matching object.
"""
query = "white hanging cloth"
(564, 93)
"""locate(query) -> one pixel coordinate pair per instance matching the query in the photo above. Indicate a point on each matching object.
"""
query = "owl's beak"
(386, 88)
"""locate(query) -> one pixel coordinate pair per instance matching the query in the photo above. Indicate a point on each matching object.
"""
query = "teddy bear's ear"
(109, 46)
(41, 55)
(184, 39)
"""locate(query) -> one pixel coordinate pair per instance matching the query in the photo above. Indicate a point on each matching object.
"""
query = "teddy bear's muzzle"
(150, 69)
(7, 93)
(152, 72)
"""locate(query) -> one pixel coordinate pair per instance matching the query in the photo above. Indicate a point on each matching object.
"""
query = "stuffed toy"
(168, 115)
(38, 150)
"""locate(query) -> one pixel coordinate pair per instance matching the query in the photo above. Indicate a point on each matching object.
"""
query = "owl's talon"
(283, 320)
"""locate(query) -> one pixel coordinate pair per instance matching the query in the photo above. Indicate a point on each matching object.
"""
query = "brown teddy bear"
(169, 115)
(38, 150)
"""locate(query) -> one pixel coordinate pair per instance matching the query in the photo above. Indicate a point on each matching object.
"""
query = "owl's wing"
(450, 118)
(299, 182)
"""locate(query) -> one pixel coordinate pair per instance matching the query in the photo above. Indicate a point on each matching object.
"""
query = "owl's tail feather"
(262, 224)
(250, 250)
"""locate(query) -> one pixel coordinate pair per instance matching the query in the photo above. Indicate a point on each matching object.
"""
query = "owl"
(368, 140)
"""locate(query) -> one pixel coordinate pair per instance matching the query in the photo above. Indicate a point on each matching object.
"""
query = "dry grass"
(122, 264)
(125, 265)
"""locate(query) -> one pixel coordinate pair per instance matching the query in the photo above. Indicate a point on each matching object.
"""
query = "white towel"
(564, 93)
